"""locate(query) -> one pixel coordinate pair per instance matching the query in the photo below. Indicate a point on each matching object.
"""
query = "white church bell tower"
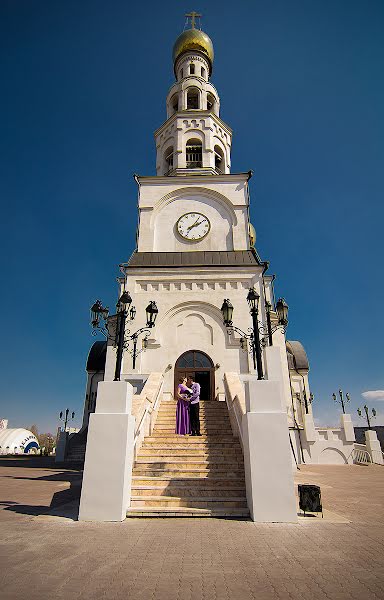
(195, 248)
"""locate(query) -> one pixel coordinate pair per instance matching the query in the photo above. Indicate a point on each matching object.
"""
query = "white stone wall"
(223, 199)
(189, 318)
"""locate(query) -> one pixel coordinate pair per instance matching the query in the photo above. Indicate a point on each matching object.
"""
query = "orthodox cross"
(193, 16)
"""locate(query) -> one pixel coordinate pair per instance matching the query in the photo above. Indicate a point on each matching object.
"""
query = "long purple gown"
(182, 413)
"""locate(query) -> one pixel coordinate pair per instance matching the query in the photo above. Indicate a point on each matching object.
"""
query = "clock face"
(193, 226)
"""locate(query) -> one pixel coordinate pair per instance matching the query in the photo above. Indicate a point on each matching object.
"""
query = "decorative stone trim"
(189, 286)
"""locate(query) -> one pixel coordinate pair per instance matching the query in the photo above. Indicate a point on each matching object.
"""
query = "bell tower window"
(211, 101)
(203, 72)
(191, 69)
(193, 99)
(175, 103)
(194, 154)
(168, 158)
(219, 160)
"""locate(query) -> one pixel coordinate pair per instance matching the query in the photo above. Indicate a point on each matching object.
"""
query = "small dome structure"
(17, 441)
(297, 356)
(194, 39)
(97, 357)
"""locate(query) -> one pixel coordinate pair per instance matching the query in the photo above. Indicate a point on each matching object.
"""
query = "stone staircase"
(190, 476)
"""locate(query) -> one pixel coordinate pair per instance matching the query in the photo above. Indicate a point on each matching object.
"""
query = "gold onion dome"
(194, 39)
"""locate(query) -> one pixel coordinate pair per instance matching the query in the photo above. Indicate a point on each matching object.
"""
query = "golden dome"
(194, 39)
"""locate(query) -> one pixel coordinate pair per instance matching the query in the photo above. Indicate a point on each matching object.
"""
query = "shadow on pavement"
(36, 462)
(68, 496)
(58, 506)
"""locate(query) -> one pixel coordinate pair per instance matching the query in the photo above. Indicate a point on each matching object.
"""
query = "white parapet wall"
(267, 455)
(373, 446)
(107, 479)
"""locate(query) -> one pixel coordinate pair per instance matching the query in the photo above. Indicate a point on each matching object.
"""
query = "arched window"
(194, 154)
(193, 99)
(211, 102)
(181, 73)
(168, 158)
(219, 159)
(194, 360)
(191, 69)
(203, 72)
(174, 103)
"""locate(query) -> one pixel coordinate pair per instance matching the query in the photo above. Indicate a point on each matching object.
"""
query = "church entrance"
(200, 367)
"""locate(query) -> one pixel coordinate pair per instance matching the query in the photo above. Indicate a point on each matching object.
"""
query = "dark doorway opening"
(200, 367)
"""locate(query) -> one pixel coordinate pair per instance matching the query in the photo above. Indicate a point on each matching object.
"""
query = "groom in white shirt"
(194, 408)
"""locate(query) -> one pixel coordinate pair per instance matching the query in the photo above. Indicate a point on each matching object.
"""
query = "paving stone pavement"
(44, 556)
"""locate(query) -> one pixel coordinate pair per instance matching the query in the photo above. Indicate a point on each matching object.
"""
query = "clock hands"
(195, 224)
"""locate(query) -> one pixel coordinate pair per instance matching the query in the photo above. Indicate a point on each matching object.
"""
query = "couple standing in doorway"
(187, 410)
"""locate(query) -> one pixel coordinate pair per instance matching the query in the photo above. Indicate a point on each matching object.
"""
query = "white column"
(373, 446)
(106, 489)
(61, 446)
(267, 455)
(347, 426)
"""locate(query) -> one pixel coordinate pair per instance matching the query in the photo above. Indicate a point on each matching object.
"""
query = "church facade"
(195, 249)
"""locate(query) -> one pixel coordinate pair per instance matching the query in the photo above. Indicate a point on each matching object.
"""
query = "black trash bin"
(310, 498)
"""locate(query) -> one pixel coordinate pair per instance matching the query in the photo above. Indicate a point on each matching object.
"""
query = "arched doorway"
(200, 366)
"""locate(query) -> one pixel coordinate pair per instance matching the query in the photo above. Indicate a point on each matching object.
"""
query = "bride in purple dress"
(182, 409)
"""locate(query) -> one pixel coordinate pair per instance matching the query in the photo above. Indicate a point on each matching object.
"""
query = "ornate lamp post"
(253, 337)
(366, 410)
(341, 400)
(253, 303)
(307, 401)
(282, 314)
(66, 418)
(119, 335)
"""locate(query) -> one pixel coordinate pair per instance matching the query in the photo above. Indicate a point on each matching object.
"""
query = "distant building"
(17, 441)
(360, 434)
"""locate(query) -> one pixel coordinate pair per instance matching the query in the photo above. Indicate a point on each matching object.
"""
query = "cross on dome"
(193, 15)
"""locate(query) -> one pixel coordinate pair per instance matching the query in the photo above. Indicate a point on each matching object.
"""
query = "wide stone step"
(224, 513)
(211, 482)
(180, 446)
(190, 502)
(161, 437)
(207, 422)
(187, 459)
(209, 430)
(188, 491)
(213, 449)
(187, 472)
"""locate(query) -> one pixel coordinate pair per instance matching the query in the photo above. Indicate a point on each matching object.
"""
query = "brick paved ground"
(45, 557)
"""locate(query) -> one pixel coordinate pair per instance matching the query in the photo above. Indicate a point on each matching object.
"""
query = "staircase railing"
(361, 455)
(145, 407)
(235, 399)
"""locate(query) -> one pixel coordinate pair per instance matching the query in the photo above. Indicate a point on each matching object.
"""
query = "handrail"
(152, 401)
(361, 455)
(235, 399)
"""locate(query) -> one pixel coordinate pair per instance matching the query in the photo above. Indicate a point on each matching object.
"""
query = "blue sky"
(84, 86)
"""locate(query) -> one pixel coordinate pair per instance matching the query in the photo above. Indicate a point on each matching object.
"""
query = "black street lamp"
(66, 418)
(253, 303)
(366, 410)
(307, 401)
(253, 338)
(341, 400)
(119, 335)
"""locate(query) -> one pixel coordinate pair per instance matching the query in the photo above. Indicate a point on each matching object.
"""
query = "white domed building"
(18, 441)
